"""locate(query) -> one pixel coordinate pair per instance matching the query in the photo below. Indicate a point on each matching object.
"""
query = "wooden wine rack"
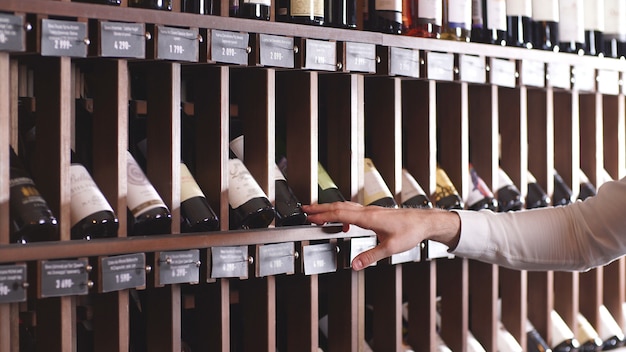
(519, 109)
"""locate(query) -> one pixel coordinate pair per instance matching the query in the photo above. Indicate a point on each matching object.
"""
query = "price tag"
(319, 258)
(11, 33)
(472, 69)
(359, 245)
(320, 55)
(13, 283)
(559, 75)
(230, 47)
(178, 267)
(533, 73)
(584, 78)
(433, 249)
(502, 73)
(274, 259)
(608, 82)
(412, 255)
(229, 262)
(64, 278)
(119, 39)
(276, 51)
(440, 66)
(360, 57)
(123, 271)
(63, 38)
(404, 62)
(177, 44)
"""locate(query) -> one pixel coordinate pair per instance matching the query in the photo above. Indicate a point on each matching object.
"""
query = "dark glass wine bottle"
(587, 189)
(571, 26)
(309, 12)
(249, 206)
(480, 196)
(534, 341)
(446, 196)
(594, 27)
(148, 213)
(610, 332)
(328, 192)
(519, 23)
(489, 22)
(563, 339)
(31, 217)
(456, 20)
(587, 335)
(384, 16)
(201, 7)
(91, 214)
(196, 214)
(563, 194)
(536, 196)
(102, 2)
(340, 13)
(425, 18)
(252, 9)
(508, 195)
(375, 191)
(614, 28)
(412, 194)
(545, 24)
(165, 5)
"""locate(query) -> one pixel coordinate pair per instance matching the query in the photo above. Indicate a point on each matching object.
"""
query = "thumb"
(367, 258)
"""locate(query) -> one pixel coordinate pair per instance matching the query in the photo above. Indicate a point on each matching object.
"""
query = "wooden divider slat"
(420, 286)
(5, 128)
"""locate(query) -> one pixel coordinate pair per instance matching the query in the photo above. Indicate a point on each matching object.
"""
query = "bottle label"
(374, 187)
(236, 145)
(86, 197)
(546, 10)
(496, 14)
(23, 189)
(460, 13)
(389, 5)
(141, 194)
(323, 178)
(609, 327)
(594, 15)
(585, 331)
(504, 179)
(479, 190)
(444, 186)
(431, 10)
(560, 331)
(410, 187)
(259, 2)
(519, 8)
(242, 186)
(571, 25)
(189, 188)
(307, 8)
(615, 19)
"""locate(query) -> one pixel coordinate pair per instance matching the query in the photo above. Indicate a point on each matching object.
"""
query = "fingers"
(367, 258)
(344, 212)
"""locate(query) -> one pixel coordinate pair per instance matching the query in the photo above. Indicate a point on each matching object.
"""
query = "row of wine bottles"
(592, 27)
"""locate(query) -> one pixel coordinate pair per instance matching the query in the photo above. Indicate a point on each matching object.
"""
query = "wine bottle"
(563, 339)
(534, 341)
(614, 28)
(571, 26)
(489, 22)
(536, 196)
(384, 16)
(196, 214)
(480, 196)
(165, 5)
(309, 12)
(252, 9)
(31, 217)
(446, 196)
(91, 214)
(286, 205)
(201, 7)
(412, 194)
(545, 22)
(375, 191)
(340, 13)
(425, 18)
(508, 195)
(562, 195)
(249, 206)
(587, 189)
(519, 23)
(441, 345)
(328, 192)
(594, 27)
(148, 213)
(610, 332)
(102, 2)
(505, 341)
(457, 20)
(587, 335)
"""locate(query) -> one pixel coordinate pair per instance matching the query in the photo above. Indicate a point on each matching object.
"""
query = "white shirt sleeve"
(575, 237)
